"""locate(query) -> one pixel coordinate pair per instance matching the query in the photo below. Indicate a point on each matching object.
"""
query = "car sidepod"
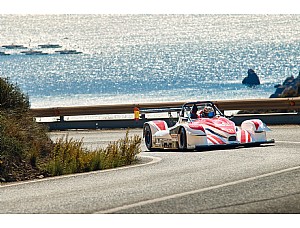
(243, 136)
(160, 135)
(195, 135)
(257, 130)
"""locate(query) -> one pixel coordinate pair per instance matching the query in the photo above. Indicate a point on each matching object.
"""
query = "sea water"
(148, 58)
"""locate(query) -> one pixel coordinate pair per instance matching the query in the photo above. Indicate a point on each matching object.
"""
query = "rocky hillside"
(289, 88)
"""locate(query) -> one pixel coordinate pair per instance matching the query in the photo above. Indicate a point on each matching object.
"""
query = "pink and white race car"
(201, 125)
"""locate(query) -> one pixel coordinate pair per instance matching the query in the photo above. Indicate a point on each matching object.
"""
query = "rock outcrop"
(289, 88)
(252, 79)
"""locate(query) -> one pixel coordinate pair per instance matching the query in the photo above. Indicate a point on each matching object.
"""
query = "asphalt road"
(263, 179)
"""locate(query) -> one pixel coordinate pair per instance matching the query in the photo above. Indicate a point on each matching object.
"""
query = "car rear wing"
(159, 110)
(176, 110)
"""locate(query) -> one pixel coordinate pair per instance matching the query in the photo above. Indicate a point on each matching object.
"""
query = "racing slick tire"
(182, 141)
(148, 137)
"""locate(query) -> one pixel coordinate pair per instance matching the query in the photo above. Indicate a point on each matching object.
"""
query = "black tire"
(148, 137)
(182, 141)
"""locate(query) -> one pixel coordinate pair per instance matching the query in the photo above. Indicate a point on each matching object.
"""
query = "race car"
(201, 125)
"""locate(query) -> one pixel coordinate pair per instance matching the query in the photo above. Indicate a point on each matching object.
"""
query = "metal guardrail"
(246, 104)
(225, 105)
(269, 119)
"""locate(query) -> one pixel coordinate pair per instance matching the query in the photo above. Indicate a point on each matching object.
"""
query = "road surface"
(263, 179)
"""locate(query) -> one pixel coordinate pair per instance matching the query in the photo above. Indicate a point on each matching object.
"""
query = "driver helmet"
(208, 112)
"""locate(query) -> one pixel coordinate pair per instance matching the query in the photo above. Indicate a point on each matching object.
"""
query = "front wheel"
(182, 142)
(148, 137)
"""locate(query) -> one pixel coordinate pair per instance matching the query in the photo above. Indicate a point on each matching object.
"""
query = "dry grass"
(69, 156)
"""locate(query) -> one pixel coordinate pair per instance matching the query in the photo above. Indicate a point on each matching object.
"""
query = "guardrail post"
(61, 118)
(143, 116)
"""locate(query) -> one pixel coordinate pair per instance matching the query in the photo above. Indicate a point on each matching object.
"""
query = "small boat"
(13, 46)
(32, 52)
(68, 52)
(49, 46)
(3, 53)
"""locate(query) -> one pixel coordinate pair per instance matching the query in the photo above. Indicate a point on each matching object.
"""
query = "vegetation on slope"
(26, 151)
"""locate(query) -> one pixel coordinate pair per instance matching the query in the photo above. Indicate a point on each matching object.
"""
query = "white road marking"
(287, 142)
(142, 203)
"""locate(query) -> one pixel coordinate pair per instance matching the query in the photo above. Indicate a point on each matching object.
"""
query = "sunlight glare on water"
(148, 58)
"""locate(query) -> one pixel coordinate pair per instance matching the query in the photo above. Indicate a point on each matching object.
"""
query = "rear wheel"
(182, 142)
(148, 137)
